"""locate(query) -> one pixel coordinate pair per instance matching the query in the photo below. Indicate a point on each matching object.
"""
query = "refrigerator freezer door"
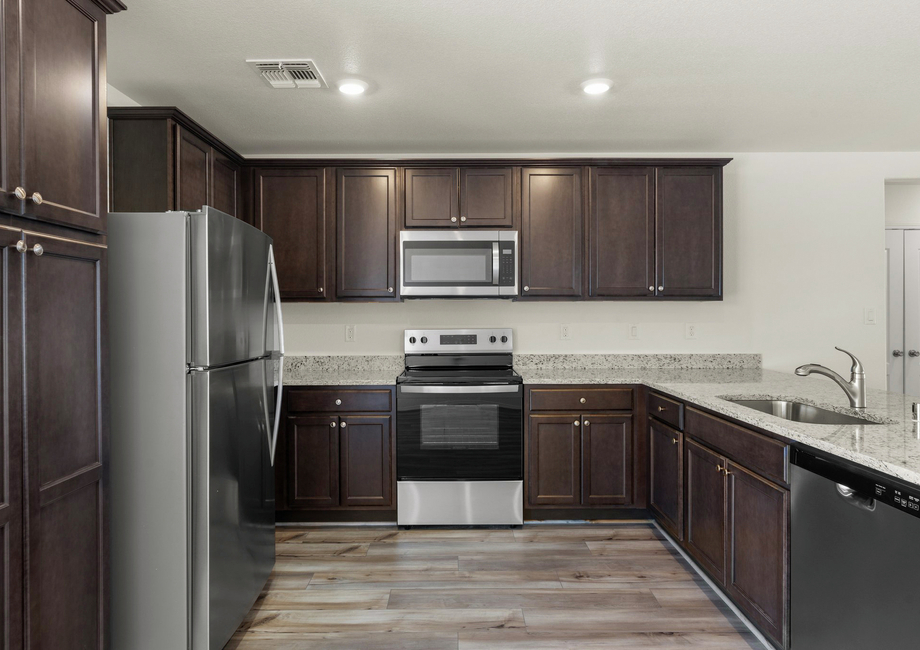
(228, 265)
(233, 509)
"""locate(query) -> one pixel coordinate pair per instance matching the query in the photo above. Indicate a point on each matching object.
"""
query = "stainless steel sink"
(799, 412)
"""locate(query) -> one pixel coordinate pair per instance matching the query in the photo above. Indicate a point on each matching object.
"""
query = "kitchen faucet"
(855, 388)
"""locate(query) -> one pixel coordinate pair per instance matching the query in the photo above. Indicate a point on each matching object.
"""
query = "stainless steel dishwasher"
(855, 541)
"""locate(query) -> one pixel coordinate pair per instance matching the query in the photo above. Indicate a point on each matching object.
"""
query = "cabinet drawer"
(581, 399)
(331, 400)
(756, 452)
(667, 410)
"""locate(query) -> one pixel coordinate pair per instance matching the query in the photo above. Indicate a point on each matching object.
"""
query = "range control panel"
(446, 341)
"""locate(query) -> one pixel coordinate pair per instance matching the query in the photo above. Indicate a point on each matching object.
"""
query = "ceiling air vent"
(293, 73)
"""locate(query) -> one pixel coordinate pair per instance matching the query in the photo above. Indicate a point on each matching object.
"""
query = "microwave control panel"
(506, 263)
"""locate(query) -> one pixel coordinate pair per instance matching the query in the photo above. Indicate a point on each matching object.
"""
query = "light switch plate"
(869, 316)
(634, 331)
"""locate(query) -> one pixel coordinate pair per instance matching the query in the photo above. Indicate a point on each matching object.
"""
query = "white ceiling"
(503, 76)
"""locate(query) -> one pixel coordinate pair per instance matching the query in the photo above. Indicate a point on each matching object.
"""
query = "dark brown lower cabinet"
(758, 535)
(705, 498)
(580, 460)
(666, 477)
(606, 460)
(737, 530)
(336, 459)
(313, 461)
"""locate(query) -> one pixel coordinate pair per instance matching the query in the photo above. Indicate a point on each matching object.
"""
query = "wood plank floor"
(588, 586)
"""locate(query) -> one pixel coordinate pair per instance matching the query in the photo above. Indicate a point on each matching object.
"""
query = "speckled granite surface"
(343, 370)
(891, 446)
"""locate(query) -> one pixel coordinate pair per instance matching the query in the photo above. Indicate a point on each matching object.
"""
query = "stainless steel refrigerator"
(196, 344)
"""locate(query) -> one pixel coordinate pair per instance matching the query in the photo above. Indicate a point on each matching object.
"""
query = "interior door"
(894, 256)
(912, 312)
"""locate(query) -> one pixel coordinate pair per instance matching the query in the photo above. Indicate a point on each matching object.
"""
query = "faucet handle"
(857, 368)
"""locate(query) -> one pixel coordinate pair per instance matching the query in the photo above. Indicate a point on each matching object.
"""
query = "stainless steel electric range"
(459, 430)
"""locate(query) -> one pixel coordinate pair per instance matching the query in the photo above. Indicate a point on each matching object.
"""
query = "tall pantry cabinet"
(53, 407)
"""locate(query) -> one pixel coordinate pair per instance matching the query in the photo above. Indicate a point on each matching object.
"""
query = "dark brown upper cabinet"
(290, 207)
(162, 160)
(61, 125)
(366, 233)
(432, 197)
(621, 232)
(459, 197)
(689, 232)
(551, 232)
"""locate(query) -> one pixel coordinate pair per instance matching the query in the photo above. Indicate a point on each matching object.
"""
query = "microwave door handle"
(495, 262)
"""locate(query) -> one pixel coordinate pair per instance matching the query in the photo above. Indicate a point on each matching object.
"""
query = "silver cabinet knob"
(897, 353)
(22, 248)
(342, 425)
(526, 288)
(913, 353)
(660, 288)
(338, 402)
(454, 219)
(36, 198)
(576, 423)
(320, 289)
(390, 289)
(651, 288)
(332, 424)
(462, 218)
(20, 193)
(587, 423)
(582, 400)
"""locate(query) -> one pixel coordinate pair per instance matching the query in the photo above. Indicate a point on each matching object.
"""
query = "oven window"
(460, 426)
(442, 263)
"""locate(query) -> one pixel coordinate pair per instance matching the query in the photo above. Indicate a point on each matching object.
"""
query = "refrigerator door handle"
(280, 360)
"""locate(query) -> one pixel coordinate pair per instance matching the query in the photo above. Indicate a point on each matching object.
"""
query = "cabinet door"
(486, 197)
(705, 495)
(666, 477)
(193, 171)
(689, 233)
(621, 232)
(555, 460)
(313, 461)
(10, 159)
(290, 208)
(63, 111)
(366, 233)
(11, 446)
(431, 197)
(758, 537)
(607, 460)
(65, 413)
(551, 232)
(225, 184)
(366, 460)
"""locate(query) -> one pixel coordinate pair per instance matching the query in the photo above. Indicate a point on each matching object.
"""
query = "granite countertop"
(890, 445)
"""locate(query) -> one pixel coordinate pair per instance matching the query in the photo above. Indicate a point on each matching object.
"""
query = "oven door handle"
(498, 388)
(495, 273)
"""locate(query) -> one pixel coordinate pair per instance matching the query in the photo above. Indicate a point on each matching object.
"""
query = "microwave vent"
(291, 73)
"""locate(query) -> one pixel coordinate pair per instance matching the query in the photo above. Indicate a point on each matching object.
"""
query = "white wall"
(114, 97)
(902, 203)
(804, 255)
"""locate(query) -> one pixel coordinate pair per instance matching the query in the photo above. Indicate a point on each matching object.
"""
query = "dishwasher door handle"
(855, 499)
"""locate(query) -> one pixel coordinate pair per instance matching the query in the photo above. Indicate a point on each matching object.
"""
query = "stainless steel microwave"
(458, 264)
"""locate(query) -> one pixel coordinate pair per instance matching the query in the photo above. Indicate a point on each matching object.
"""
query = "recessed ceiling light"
(352, 86)
(596, 86)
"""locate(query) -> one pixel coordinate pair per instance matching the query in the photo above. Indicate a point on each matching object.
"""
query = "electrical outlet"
(869, 316)
(690, 331)
(349, 333)
(634, 332)
(565, 332)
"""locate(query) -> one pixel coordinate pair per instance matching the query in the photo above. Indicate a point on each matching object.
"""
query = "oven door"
(459, 432)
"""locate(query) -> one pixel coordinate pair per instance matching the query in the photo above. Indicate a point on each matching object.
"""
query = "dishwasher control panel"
(892, 493)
